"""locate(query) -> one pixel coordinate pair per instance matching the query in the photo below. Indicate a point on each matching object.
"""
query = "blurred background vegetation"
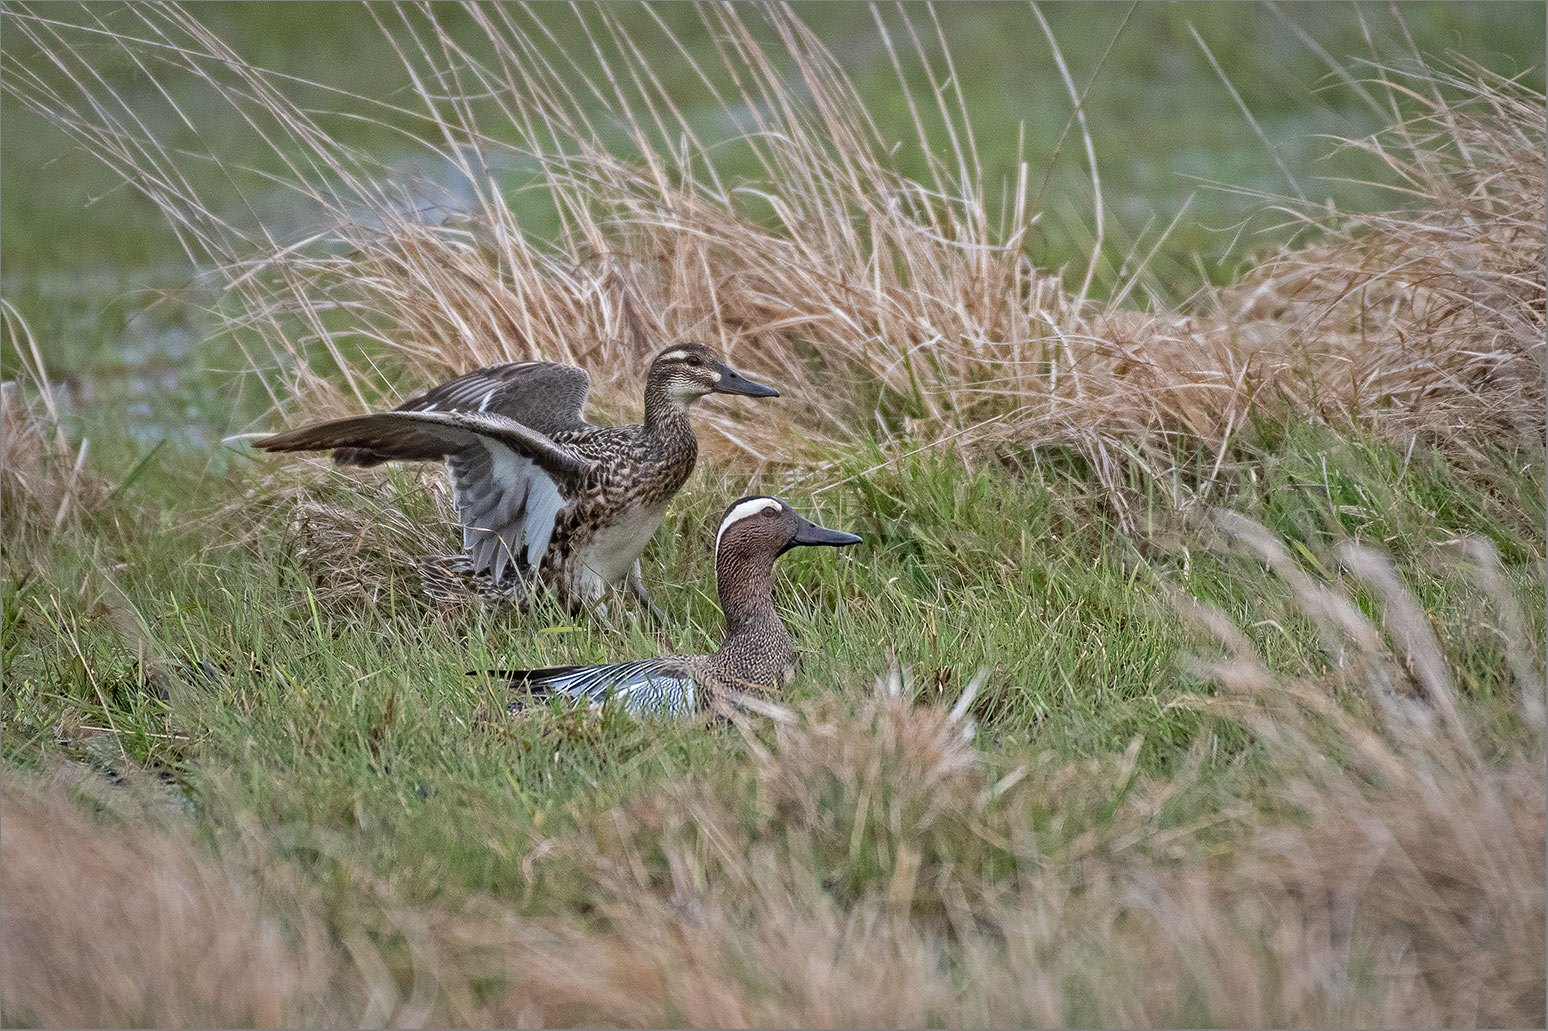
(1194, 110)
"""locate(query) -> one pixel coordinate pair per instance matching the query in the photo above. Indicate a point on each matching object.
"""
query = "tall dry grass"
(1429, 317)
(45, 481)
(868, 866)
(919, 314)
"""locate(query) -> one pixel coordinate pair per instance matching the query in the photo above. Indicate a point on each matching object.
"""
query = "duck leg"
(637, 588)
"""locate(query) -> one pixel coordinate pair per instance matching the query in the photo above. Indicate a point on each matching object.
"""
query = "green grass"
(357, 718)
(339, 743)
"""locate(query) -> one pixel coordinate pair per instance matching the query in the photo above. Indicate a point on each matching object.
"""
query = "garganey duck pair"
(542, 495)
(568, 507)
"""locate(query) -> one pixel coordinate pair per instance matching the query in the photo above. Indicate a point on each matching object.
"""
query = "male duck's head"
(764, 528)
(685, 372)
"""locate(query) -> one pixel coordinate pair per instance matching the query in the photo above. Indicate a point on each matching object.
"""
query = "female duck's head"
(685, 372)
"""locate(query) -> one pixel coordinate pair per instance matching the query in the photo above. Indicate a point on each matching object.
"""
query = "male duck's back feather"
(661, 686)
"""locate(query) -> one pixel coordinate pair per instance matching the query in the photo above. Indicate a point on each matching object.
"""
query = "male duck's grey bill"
(811, 533)
(733, 382)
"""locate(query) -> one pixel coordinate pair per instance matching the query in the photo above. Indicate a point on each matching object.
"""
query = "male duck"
(756, 656)
(527, 467)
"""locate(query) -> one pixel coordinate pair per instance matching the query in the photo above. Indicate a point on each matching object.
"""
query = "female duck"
(542, 494)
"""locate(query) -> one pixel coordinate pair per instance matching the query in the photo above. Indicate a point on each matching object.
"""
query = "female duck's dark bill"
(733, 382)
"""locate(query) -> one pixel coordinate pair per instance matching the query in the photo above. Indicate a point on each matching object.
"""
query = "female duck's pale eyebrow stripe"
(752, 506)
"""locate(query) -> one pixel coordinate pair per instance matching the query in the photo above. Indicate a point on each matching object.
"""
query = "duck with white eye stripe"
(547, 501)
(756, 656)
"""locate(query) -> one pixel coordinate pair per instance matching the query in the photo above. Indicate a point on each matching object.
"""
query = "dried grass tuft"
(356, 538)
(128, 924)
(1418, 855)
(45, 483)
(1428, 318)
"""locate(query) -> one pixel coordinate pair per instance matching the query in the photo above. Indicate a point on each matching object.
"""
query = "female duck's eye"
(694, 361)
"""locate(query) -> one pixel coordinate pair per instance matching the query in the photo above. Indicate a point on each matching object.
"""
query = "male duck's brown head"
(753, 533)
(766, 527)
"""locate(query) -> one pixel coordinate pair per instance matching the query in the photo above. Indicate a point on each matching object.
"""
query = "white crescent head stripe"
(672, 356)
(750, 507)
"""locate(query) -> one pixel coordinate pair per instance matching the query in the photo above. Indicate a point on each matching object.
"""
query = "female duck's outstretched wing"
(543, 396)
(644, 687)
(509, 480)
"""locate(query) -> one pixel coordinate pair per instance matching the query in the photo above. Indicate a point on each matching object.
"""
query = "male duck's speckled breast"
(759, 660)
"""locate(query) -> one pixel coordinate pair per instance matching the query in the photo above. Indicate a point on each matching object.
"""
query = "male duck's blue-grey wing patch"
(508, 480)
(544, 396)
(655, 687)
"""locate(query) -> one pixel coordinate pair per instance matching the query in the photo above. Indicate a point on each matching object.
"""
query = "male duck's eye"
(769, 513)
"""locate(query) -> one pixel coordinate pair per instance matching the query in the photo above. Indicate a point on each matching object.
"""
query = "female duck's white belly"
(612, 551)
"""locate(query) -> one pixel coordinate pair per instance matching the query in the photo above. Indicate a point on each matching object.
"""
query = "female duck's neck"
(665, 414)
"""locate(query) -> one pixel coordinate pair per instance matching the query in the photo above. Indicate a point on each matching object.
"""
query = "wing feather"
(508, 480)
(544, 503)
(423, 436)
(545, 396)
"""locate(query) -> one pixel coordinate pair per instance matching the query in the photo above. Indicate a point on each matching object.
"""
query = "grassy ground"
(1208, 772)
(172, 640)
